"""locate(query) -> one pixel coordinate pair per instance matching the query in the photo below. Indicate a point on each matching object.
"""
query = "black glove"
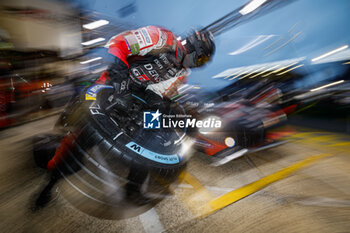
(121, 87)
(121, 102)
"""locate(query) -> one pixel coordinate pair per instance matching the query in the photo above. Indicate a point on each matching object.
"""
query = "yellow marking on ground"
(194, 182)
(300, 135)
(196, 202)
(307, 139)
(251, 188)
(341, 144)
(318, 131)
(321, 146)
(323, 138)
(333, 139)
(320, 140)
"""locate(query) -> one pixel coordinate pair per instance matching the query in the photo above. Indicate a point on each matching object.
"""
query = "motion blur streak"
(259, 40)
(330, 53)
(94, 41)
(251, 6)
(77, 157)
(328, 85)
(91, 60)
(293, 68)
(96, 24)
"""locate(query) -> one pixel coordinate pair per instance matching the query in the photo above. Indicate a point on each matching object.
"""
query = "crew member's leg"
(61, 154)
(62, 151)
(136, 179)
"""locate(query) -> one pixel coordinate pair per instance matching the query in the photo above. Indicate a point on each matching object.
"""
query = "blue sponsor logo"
(146, 36)
(92, 91)
(160, 158)
(151, 120)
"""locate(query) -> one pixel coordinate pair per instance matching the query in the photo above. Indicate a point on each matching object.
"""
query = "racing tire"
(105, 150)
(105, 139)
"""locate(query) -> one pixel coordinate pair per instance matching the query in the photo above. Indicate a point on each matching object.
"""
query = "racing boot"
(45, 195)
(133, 190)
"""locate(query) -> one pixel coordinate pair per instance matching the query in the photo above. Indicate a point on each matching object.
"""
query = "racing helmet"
(200, 47)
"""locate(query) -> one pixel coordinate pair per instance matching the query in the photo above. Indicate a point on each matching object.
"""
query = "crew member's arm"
(119, 69)
(139, 42)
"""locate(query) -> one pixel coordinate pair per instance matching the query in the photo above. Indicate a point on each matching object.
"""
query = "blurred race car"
(249, 124)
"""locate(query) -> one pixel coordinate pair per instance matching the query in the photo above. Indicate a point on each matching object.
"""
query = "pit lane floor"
(301, 186)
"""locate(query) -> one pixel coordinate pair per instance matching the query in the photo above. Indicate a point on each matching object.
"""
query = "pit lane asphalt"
(249, 194)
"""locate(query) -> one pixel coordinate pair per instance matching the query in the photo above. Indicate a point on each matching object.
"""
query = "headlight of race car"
(230, 142)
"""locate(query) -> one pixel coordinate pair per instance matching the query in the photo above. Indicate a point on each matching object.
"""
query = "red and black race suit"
(152, 55)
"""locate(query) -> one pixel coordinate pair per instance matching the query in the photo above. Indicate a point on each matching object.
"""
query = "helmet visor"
(202, 60)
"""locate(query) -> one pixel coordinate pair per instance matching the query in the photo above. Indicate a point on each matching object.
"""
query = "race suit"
(152, 56)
